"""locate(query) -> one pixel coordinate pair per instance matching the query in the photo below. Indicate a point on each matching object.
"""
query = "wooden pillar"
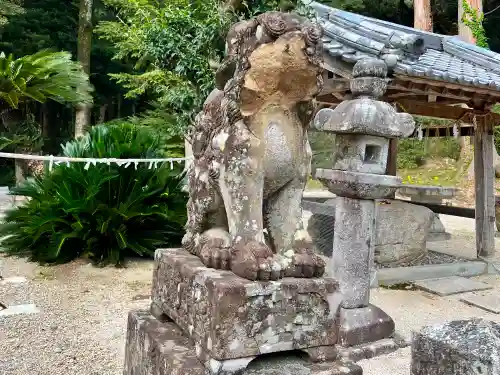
(484, 182)
(392, 157)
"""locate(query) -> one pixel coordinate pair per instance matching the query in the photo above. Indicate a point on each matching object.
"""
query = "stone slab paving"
(486, 301)
(451, 285)
(19, 309)
(12, 280)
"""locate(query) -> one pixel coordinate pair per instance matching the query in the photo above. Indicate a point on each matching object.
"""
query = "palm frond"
(44, 75)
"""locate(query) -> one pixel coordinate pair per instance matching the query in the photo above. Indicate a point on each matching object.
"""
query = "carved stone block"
(153, 345)
(161, 348)
(364, 325)
(358, 185)
(360, 153)
(229, 317)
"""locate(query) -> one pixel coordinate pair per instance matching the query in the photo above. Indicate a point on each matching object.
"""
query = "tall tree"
(465, 31)
(422, 15)
(83, 110)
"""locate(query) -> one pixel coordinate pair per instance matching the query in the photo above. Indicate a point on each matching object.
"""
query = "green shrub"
(413, 153)
(103, 212)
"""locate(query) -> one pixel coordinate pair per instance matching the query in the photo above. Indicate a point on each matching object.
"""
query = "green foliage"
(42, 76)
(474, 21)
(9, 8)
(173, 46)
(102, 212)
(26, 136)
(413, 153)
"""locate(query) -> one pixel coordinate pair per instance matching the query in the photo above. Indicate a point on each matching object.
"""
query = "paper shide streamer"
(56, 160)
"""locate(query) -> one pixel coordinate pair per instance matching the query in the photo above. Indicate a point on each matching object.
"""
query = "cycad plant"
(104, 212)
(42, 76)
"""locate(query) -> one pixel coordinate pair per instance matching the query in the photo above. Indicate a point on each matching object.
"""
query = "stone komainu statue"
(251, 152)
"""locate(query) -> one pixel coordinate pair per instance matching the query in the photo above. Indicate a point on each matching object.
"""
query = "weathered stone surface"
(451, 285)
(251, 152)
(464, 347)
(160, 348)
(402, 230)
(230, 317)
(358, 185)
(428, 194)
(364, 325)
(365, 116)
(437, 231)
(155, 348)
(497, 212)
(360, 153)
(287, 365)
(370, 350)
(352, 256)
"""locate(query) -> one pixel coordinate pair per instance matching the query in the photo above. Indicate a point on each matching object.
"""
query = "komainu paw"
(256, 261)
(306, 263)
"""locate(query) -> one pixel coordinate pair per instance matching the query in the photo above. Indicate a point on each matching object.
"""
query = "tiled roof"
(407, 51)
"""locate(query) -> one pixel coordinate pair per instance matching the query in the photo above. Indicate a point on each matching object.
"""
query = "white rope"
(55, 160)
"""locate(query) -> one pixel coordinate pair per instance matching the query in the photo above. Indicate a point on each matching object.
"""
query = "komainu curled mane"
(251, 152)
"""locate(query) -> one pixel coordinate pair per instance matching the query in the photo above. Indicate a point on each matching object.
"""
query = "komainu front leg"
(242, 182)
(284, 224)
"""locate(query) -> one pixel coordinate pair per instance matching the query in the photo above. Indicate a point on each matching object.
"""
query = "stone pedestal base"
(366, 332)
(160, 348)
(228, 317)
(364, 325)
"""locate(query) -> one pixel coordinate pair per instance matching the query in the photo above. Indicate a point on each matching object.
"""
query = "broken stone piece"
(462, 347)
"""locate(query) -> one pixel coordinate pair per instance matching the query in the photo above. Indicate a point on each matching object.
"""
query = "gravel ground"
(81, 326)
(80, 329)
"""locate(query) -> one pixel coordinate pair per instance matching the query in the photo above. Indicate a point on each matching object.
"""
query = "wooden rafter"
(450, 112)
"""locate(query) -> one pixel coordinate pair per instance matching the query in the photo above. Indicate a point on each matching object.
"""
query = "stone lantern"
(363, 128)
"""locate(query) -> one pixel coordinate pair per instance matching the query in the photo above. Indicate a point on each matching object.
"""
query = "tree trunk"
(422, 15)
(102, 113)
(463, 30)
(119, 101)
(465, 34)
(83, 110)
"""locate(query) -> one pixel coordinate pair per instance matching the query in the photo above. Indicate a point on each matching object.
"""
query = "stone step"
(451, 285)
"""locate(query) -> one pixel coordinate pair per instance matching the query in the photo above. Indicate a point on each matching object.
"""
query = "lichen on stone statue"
(252, 155)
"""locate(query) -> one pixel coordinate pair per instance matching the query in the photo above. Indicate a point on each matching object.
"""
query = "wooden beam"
(485, 190)
(334, 85)
(429, 90)
(446, 111)
(434, 82)
(445, 131)
(445, 210)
